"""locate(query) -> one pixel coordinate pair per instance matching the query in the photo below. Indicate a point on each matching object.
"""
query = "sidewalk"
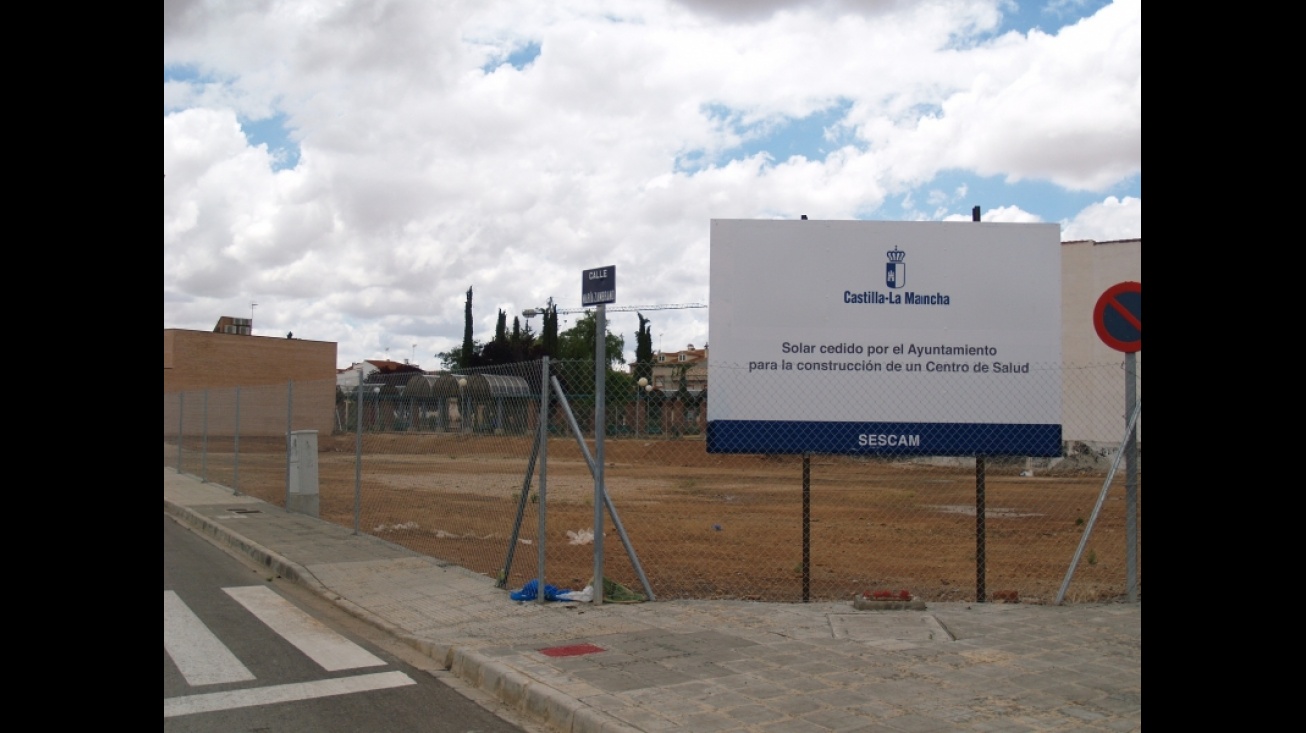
(699, 666)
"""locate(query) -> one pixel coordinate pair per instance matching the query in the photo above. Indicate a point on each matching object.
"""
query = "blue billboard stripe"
(883, 438)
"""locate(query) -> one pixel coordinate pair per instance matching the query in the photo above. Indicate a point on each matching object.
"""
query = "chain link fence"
(447, 465)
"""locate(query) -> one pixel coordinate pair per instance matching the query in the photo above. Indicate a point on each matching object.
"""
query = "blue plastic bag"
(531, 590)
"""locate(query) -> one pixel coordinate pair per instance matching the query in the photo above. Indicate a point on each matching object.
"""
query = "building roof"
(386, 366)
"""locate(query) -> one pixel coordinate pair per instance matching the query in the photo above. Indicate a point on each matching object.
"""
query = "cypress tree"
(466, 358)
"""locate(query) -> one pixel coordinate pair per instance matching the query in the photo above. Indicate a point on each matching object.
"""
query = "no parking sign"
(1118, 317)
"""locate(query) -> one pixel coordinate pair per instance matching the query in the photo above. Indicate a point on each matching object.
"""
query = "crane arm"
(626, 308)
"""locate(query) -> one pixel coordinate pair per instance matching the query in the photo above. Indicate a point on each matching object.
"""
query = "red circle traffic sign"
(1118, 317)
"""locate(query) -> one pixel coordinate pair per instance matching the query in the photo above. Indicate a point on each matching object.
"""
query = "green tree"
(549, 336)
(469, 347)
(577, 342)
(498, 351)
(643, 349)
(453, 358)
(501, 328)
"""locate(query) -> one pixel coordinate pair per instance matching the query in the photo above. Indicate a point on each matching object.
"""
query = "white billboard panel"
(931, 338)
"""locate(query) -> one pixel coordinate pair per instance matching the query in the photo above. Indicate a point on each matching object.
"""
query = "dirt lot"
(713, 526)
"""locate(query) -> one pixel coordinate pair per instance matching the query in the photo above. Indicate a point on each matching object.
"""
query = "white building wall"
(348, 379)
(1093, 376)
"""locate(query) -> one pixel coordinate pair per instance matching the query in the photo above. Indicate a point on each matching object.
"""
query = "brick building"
(217, 362)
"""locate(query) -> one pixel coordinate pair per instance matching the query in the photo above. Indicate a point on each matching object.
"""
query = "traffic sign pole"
(600, 418)
(1118, 319)
(598, 287)
(1131, 481)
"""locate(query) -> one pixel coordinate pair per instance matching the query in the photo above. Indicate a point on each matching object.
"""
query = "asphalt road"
(244, 651)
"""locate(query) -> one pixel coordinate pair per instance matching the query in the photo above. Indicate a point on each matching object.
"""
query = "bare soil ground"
(712, 526)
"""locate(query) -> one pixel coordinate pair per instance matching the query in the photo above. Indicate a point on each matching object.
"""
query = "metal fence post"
(290, 413)
(204, 439)
(181, 425)
(358, 450)
(544, 469)
(235, 467)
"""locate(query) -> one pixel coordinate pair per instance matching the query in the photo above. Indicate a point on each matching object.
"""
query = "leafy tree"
(451, 359)
(577, 342)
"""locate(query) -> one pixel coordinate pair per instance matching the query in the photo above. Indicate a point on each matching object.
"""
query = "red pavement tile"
(574, 650)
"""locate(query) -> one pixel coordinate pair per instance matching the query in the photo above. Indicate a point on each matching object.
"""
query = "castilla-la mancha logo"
(895, 270)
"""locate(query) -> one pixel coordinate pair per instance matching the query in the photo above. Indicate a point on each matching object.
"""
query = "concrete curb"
(518, 691)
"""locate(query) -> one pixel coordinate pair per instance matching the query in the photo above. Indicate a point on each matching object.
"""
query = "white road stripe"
(214, 701)
(200, 657)
(324, 646)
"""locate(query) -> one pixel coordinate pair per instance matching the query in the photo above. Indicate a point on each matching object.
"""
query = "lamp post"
(644, 387)
(462, 405)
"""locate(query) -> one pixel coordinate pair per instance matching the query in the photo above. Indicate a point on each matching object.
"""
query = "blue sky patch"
(180, 73)
(1046, 200)
(272, 131)
(813, 137)
(518, 59)
(1049, 16)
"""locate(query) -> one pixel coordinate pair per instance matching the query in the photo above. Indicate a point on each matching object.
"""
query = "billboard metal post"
(980, 511)
(807, 527)
(980, 499)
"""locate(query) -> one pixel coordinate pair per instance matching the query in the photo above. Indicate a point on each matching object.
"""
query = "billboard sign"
(874, 337)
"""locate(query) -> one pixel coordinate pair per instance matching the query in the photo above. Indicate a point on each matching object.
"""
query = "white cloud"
(1111, 219)
(1006, 214)
(421, 174)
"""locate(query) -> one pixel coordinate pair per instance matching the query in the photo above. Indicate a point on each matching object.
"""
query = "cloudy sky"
(352, 166)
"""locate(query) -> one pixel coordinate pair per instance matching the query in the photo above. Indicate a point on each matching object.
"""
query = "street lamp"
(643, 382)
(532, 312)
(462, 405)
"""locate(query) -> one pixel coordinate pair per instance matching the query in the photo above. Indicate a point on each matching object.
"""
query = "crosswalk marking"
(214, 701)
(200, 657)
(324, 646)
